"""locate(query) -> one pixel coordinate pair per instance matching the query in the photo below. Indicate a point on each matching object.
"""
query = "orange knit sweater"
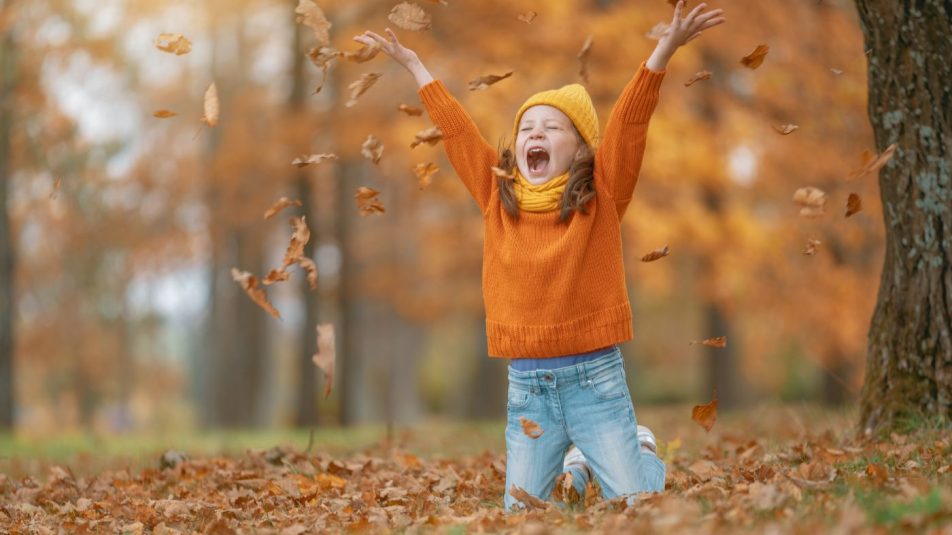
(551, 288)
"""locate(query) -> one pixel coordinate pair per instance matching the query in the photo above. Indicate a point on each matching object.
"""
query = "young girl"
(553, 278)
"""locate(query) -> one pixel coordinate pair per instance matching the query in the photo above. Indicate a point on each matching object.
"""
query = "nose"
(536, 133)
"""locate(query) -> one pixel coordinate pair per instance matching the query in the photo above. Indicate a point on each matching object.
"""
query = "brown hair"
(579, 189)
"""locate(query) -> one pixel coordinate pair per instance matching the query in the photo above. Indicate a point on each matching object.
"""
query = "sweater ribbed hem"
(588, 333)
(439, 104)
(646, 91)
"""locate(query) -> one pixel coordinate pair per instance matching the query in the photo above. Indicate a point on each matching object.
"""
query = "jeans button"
(548, 378)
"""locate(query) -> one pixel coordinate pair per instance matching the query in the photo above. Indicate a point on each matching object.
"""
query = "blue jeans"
(588, 405)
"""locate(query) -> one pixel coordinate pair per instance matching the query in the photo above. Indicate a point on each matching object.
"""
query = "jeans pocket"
(609, 385)
(518, 398)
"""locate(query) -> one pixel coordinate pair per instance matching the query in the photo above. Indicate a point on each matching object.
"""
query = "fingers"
(677, 10)
(393, 36)
(712, 23)
(704, 17)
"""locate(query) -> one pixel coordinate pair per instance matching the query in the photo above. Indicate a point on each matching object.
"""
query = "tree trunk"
(909, 357)
(7, 307)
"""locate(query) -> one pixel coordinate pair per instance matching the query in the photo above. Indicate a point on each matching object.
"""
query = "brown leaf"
(529, 428)
(705, 415)
(657, 31)
(372, 149)
(363, 54)
(755, 58)
(367, 201)
(361, 86)
(698, 76)
(564, 491)
(424, 173)
(311, 16)
(304, 161)
(311, 269)
(276, 275)
(483, 82)
(656, 254)
(502, 173)
(281, 204)
(872, 164)
(322, 57)
(410, 110)
(56, 187)
(876, 473)
(173, 43)
(582, 57)
(430, 136)
(410, 17)
(811, 247)
(210, 116)
(325, 358)
(528, 16)
(163, 114)
(811, 201)
(853, 204)
(720, 341)
(530, 501)
(785, 129)
(250, 284)
(812, 475)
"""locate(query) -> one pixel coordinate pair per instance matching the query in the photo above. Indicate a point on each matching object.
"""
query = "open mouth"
(537, 159)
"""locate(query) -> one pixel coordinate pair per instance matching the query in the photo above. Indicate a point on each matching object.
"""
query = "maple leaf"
(483, 82)
(755, 58)
(698, 76)
(361, 86)
(173, 43)
(367, 201)
(785, 129)
(210, 116)
(305, 161)
(311, 16)
(250, 285)
(853, 204)
(424, 173)
(656, 254)
(163, 114)
(281, 204)
(410, 16)
(372, 149)
(528, 16)
(720, 341)
(872, 164)
(530, 428)
(410, 110)
(430, 136)
(705, 415)
(811, 201)
(325, 358)
(582, 57)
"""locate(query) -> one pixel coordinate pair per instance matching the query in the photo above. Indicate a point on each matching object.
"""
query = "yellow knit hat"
(572, 100)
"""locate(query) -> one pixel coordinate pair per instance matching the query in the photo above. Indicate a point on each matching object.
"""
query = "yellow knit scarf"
(539, 198)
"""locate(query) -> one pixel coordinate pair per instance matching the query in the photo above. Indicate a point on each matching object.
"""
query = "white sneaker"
(647, 440)
(574, 458)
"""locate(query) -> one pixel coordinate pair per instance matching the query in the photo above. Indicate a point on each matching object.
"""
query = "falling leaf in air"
(719, 341)
(698, 76)
(325, 356)
(311, 16)
(361, 86)
(173, 43)
(811, 201)
(853, 204)
(530, 428)
(755, 58)
(163, 114)
(424, 173)
(582, 57)
(276, 275)
(656, 254)
(705, 415)
(322, 57)
(299, 238)
(367, 201)
(502, 173)
(281, 204)
(56, 187)
(657, 31)
(836, 71)
(871, 163)
(210, 116)
(528, 16)
(811, 247)
(410, 16)
(305, 161)
(372, 149)
(430, 136)
(410, 110)
(483, 82)
(250, 284)
(363, 54)
(311, 269)
(785, 129)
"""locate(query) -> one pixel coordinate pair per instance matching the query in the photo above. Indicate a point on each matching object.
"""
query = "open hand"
(683, 30)
(401, 54)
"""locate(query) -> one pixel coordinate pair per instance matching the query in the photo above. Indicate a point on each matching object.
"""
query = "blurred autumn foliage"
(128, 212)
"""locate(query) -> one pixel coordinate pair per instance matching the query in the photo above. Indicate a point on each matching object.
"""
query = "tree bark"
(909, 357)
(7, 306)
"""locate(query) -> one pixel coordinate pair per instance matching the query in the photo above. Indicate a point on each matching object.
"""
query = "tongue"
(539, 165)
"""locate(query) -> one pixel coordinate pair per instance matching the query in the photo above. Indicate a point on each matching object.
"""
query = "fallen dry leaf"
(163, 114)
(811, 247)
(656, 254)
(311, 16)
(529, 428)
(410, 110)
(720, 341)
(755, 58)
(410, 16)
(528, 16)
(564, 491)
(582, 57)
(698, 76)
(361, 86)
(811, 201)
(281, 204)
(705, 415)
(367, 201)
(305, 161)
(853, 204)
(250, 284)
(812, 475)
(173, 43)
(210, 116)
(483, 82)
(324, 359)
(372, 149)
(424, 173)
(430, 136)
(530, 501)
(785, 129)
(872, 164)
(877, 473)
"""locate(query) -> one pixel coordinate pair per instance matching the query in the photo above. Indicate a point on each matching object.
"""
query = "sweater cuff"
(443, 108)
(644, 90)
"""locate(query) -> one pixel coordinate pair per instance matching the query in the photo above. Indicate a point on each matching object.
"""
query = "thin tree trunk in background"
(7, 258)
(348, 354)
(909, 357)
(487, 398)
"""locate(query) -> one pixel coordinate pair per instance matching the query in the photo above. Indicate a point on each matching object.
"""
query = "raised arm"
(470, 154)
